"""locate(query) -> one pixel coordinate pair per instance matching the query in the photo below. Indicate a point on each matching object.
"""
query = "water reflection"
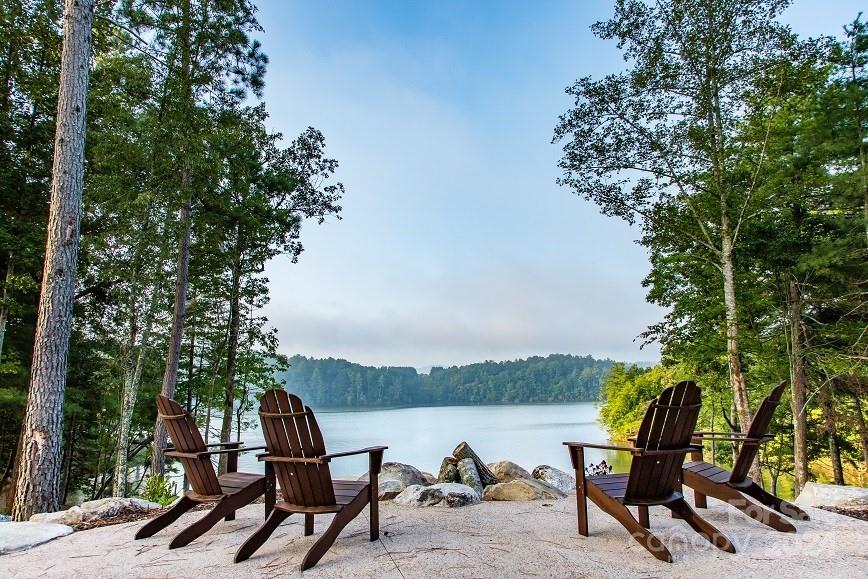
(529, 435)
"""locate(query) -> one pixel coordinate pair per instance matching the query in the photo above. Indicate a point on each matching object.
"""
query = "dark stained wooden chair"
(661, 444)
(296, 452)
(707, 479)
(229, 491)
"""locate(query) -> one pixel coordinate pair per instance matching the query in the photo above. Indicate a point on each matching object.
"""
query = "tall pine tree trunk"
(38, 481)
(799, 386)
(170, 377)
(232, 351)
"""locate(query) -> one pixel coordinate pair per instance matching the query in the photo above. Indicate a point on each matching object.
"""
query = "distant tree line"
(338, 383)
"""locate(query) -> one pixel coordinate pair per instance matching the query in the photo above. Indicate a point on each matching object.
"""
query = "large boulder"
(555, 477)
(506, 471)
(449, 470)
(407, 474)
(21, 536)
(521, 490)
(469, 475)
(441, 494)
(115, 506)
(71, 516)
(389, 489)
(99, 509)
(429, 478)
(821, 495)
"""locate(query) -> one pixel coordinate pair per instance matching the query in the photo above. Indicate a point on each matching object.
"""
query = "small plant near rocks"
(598, 469)
(158, 489)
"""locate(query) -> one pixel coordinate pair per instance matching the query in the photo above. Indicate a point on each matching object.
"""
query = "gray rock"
(429, 478)
(506, 471)
(555, 477)
(71, 516)
(448, 470)
(389, 489)
(407, 474)
(114, 506)
(5, 518)
(820, 495)
(521, 489)
(20, 536)
(469, 475)
(442, 494)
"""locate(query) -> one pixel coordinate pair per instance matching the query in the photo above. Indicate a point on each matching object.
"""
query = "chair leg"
(644, 520)
(201, 526)
(622, 514)
(342, 518)
(753, 510)
(581, 504)
(700, 500)
(374, 512)
(157, 524)
(308, 524)
(258, 538)
(776, 503)
(701, 526)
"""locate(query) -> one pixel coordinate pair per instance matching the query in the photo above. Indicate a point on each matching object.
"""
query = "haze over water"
(529, 435)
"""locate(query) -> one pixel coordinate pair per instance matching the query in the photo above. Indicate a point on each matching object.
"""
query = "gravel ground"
(533, 539)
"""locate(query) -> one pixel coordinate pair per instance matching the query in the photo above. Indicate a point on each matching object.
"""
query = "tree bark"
(132, 379)
(38, 482)
(170, 377)
(799, 386)
(736, 376)
(232, 351)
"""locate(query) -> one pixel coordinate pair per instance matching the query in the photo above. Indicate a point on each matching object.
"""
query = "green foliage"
(159, 489)
(555, 378)
(626, 392)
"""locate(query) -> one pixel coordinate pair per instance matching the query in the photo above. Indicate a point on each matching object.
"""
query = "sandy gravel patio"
(492, 539)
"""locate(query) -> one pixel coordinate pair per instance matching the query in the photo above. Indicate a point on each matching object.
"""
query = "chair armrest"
(313, 460)
(687, 449)
(632, 449)
(328, 457)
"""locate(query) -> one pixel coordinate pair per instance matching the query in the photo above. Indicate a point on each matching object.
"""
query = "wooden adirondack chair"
(230, 491)
(661, 444)
(707, 479)
(296, 451)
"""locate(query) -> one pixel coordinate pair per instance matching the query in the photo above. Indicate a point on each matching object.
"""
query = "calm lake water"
(529, 435)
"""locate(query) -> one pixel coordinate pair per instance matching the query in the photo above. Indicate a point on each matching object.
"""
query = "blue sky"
(456, 245)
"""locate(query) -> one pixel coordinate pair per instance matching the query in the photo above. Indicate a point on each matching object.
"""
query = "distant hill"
(338, 383)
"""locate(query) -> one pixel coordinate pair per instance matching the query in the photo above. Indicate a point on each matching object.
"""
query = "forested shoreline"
(337, 383)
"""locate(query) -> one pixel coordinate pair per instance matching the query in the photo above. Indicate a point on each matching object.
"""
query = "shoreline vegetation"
(338, 383)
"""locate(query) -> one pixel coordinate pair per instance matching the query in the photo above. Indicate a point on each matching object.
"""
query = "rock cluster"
(463, 479)
(101, 509)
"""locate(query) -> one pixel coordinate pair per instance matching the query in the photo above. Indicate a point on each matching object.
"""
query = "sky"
(455, 244)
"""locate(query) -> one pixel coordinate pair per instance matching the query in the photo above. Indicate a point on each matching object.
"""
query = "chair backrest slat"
(758, 428)
(185, 437)
(291, 430)
(668, 424)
